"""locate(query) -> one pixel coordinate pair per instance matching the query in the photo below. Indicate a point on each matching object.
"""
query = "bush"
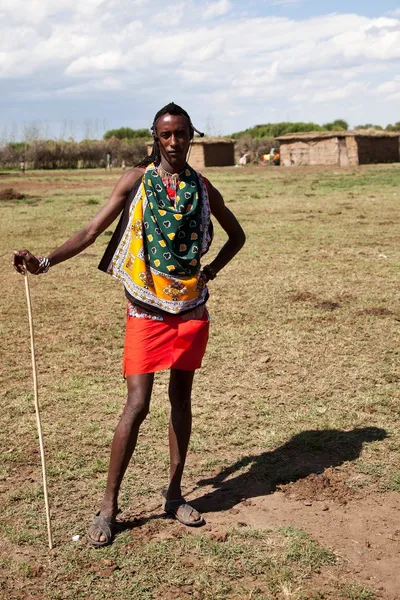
(126, 133)
(256, 146)
(88, 154)
(273, 130)
(369, 126)
(338, 125)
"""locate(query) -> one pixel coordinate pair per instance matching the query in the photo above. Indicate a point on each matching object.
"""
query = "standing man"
(156, 250)
(108, 161)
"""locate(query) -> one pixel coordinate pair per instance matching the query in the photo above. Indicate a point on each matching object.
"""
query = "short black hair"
(168, 109)
(172, 109)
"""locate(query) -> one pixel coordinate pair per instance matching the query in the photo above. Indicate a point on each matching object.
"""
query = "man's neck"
(177, 168)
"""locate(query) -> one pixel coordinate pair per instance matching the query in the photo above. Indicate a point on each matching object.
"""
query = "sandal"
(106, 525)
(181, 511)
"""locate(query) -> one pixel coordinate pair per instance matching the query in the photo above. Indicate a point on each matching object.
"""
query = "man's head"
(173, 109)
(173, 134)
(172, 131)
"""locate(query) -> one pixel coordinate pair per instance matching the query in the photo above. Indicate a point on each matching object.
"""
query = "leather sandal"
(106, 526)
(182, 511)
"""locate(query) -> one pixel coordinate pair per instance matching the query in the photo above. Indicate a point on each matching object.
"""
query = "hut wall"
(196, 158)
(377, 149)
(310, 152)
(352, 151)
(324, 152)
(284, 151)
(219, 155)
(294, 153)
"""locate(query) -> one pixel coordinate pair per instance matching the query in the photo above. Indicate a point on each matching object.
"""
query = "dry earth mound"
(11, 194)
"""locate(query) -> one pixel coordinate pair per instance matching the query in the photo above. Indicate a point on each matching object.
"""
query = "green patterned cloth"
(172, 233)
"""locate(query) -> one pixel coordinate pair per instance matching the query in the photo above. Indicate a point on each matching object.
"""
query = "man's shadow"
(305, 453)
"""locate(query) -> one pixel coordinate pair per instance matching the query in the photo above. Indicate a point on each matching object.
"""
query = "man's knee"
(137, 406)
(179, 397)
(139, 394)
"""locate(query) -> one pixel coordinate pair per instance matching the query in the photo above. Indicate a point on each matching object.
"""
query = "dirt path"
(364, 533)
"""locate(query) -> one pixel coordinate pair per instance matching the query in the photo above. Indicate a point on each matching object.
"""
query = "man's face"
(173, 139)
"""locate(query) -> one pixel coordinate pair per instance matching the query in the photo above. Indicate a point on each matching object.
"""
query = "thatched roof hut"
(209, 152)
(341, 148)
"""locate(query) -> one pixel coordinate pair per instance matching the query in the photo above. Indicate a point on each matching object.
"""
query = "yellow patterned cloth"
(130, 263)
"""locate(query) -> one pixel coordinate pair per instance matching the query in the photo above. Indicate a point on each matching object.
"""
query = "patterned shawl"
(157, 247)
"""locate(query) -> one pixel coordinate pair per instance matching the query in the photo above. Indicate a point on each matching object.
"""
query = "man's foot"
(181, 511)
(102, 530)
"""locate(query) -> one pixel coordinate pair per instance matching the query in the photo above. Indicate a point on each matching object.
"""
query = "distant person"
(266, 158)
(22, 166)
(156, 251)
(108, 161)
(243, 159)
(123, 165)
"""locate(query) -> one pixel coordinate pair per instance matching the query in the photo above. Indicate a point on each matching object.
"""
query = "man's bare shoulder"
(127, 180)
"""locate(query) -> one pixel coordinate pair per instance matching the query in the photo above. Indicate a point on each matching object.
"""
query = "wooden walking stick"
(36, 401)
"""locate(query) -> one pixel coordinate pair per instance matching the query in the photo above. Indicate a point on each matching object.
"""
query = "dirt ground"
(363, 530)
(305, 431)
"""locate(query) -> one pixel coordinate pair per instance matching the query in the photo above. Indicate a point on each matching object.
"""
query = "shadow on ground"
(306, 453)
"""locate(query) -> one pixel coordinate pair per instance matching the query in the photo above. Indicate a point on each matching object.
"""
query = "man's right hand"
(21, 258)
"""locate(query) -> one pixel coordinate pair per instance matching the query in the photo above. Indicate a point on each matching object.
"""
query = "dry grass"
(301, 374)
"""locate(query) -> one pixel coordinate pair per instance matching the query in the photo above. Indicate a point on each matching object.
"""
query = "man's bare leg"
(124, 442)
(180, 426)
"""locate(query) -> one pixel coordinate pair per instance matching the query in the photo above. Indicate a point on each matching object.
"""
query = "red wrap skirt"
(175, 342)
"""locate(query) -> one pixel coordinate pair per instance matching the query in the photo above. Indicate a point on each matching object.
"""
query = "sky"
(77, 68)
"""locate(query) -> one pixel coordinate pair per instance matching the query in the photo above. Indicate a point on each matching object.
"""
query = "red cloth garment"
(175, 342)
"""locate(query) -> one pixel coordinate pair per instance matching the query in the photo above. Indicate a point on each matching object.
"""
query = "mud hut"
(340, 148)
(209, 152)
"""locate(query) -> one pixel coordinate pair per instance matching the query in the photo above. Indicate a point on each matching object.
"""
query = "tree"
(337, 125)
(274, 130)
(126, 133)
(369, 126)
(395, 127)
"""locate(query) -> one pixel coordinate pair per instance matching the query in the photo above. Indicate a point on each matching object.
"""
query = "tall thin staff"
(37, 411)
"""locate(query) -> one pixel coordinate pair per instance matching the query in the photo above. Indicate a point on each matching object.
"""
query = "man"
(163, 232)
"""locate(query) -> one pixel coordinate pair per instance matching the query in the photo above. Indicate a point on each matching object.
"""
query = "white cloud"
(339, 92)
(217, 9)
(107, 61)
(390, 90)
(106, 84)
(230, 66)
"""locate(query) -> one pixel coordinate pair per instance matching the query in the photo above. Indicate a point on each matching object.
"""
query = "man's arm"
(232, 227)
(86, 236)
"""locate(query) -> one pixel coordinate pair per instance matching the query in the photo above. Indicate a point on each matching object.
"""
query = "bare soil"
(11, 194)
(364, 531)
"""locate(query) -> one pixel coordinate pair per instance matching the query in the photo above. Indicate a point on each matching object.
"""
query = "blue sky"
(300, 9)
(73, 68)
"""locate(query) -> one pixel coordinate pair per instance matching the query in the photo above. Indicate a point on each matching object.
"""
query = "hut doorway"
(343, 156)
